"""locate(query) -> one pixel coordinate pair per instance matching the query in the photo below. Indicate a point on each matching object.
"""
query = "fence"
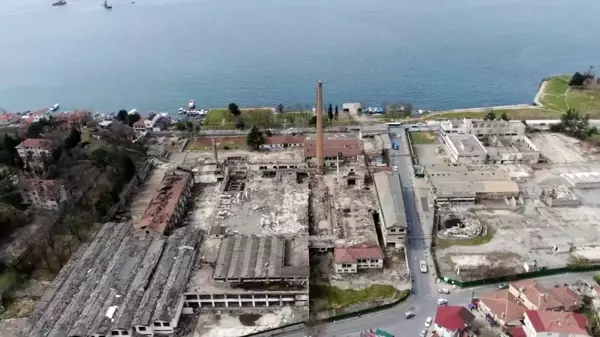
(307, 326)
(234, 132)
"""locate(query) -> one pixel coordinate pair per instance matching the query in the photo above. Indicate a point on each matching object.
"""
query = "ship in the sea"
(59, 3)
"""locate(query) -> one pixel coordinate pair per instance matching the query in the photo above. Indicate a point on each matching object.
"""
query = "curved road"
(423, 299)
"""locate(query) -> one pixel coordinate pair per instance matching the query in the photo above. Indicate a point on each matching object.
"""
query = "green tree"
(73, 138)
(8, 152)
(330, 113)
(35, 130)
(504, 117)
(336, 112)
(490, 116)
(133, 118)
(234, 109)
(279, 108)
(8, 191)
(255, 138)
(122, 115)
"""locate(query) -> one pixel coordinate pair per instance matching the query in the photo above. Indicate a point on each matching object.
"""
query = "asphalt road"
(425, 293)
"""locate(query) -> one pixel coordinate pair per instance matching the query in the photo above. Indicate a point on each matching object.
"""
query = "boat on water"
(54, 107)
(181, 111)
(192, 105)
(107, 4)
(59, 3)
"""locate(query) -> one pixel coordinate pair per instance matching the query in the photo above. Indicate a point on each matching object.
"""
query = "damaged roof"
(117, 281)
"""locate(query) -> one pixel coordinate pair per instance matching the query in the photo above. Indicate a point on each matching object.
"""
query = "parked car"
(395, 168)
(444, 291)
(409, 314)
(423, 333)
(442, 301)
(503, 286)
(428, 321)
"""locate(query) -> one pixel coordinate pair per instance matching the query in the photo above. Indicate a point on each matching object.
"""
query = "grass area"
(597, 278)
(558, 96)
(423, 137)
(481, 240)
(264, 118)
(514, 114)
(343, 298)
(591, 315)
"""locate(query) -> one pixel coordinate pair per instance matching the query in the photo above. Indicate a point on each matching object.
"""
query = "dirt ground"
(205, 143)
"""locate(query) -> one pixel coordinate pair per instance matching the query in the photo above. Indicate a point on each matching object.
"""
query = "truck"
(395, 144)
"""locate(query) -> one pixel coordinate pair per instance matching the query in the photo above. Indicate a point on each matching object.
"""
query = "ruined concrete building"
(391, 205)
(119, 285)
(167, 206)
(43, 193)
(333, 150)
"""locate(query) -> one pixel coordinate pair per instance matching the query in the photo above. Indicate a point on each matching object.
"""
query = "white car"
(444, 291)
(428, 322)
(423, 333)
(423, 266)
(409, 314)
(442, 301)
(395, 168)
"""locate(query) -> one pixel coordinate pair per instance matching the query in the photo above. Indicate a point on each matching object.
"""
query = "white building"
(481, 128)
(350, 260)
(352, 108)
(555, 324)
(464, 148)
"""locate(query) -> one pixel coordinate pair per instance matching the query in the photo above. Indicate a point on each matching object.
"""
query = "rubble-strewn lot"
(536, 231)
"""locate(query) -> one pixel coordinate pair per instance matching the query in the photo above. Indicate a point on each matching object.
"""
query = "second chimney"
(320, 151)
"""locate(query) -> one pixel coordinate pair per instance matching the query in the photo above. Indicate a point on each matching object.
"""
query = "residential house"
(139, 126)
(555, 324)
(282, 142)
(452, 320)
(33, 150)
(503, 307)
(534, 296)
(353, 259)
(43, 193)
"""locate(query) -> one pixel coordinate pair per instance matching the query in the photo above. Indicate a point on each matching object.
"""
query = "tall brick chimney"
(320, 152)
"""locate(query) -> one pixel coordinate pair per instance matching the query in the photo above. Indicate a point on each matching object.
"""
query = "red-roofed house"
(452, 320)
(166, 207)
(352, 259)
(503, 307)
(555, 324)
(518, 332)
(32, 150)
(534, 296)
(282, 142)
